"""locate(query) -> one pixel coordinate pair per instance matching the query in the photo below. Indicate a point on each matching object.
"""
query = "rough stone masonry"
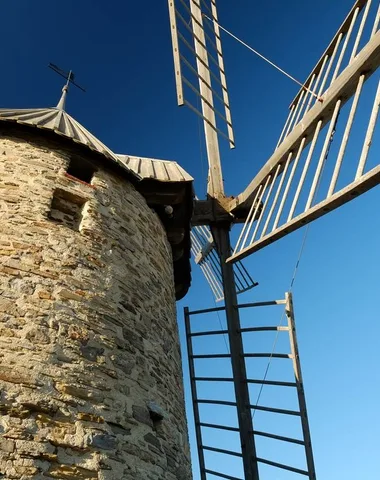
(90, 367)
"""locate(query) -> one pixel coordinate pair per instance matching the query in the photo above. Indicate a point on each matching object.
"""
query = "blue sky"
(121, 53)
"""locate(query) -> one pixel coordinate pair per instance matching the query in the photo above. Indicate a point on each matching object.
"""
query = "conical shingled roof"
(60, 122)
(152, 168)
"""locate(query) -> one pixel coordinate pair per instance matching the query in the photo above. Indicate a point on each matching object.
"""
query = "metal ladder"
(201, 423)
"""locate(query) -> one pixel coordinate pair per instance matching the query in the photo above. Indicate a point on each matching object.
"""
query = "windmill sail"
(199, 65)
(206, 256)
(312, 172)
(334, 59)
(214, 410)
(202, 86)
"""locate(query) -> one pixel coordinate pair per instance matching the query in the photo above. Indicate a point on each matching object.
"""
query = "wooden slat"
(365, 183)
(343, 88)
(330, 49)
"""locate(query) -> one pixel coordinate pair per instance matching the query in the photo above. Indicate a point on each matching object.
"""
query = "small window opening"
(81, 169)
(156, 414)
(66, 209)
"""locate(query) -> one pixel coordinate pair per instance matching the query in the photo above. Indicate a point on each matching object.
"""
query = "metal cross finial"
(69, 76)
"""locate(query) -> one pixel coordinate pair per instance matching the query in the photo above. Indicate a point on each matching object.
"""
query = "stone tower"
(94, 250)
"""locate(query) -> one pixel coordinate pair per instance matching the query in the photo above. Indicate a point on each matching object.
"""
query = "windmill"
(304, 179)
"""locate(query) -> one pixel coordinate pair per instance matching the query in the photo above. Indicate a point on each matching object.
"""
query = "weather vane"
(69, 76)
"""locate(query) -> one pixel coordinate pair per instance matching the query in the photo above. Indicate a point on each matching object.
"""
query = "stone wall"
(90, 367)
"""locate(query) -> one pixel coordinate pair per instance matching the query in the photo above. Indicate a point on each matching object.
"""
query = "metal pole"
(300, 389)
(222, 240)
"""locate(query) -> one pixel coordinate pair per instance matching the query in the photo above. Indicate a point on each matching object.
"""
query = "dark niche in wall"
(80, 169)
(66, 208)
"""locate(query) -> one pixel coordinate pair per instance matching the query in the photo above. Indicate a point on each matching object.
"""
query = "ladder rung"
(284, 467)
(268, 355)
(275, 410)
(264, 329)
(279, 437)
(217, 402)
(262, 304)
(219, 427)
(221, 450)
(272, 382)
(212, 355)
(207, 310)
(247, 355)
(221, 475)
(211, 332)
(212, 379)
